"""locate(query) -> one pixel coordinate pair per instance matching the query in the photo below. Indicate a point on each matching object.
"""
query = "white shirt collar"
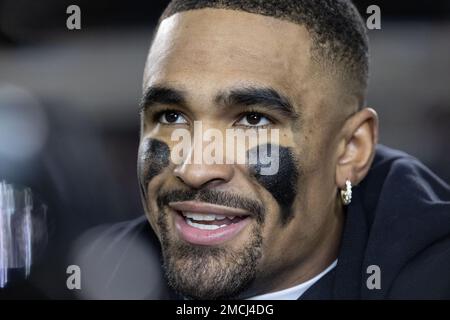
(296, 292)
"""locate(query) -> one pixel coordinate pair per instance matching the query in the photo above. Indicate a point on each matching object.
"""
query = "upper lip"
(207, 208)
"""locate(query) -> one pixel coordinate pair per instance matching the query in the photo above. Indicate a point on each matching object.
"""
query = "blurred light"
(117, 266)
(23, 124)
(22, 230)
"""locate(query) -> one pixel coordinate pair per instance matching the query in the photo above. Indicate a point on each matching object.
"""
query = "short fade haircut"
(339, 38)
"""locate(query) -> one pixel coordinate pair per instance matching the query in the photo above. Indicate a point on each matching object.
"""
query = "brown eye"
(253, 119)
(172, 117)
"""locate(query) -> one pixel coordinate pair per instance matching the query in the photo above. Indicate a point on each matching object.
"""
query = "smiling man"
(340, 217)
(225, 230)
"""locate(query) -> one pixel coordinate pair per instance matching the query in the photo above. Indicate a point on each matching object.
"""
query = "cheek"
(282, 184)
(153, 157)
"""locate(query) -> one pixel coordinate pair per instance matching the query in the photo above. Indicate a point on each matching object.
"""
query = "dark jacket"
(399, 221)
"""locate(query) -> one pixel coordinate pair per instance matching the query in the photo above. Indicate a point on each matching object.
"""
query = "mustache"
(214, 197)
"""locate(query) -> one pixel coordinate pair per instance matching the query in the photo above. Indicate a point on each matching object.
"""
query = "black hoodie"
(398, 220)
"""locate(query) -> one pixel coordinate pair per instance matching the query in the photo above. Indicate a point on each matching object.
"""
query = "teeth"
(204, 226)
(203, 217)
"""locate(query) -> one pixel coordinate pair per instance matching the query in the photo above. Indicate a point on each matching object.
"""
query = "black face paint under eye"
(282, 184)
(153, 157)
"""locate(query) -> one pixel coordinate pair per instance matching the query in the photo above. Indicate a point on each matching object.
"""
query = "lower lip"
(208, 237)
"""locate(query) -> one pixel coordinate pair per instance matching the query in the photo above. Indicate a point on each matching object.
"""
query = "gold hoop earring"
(346, 195)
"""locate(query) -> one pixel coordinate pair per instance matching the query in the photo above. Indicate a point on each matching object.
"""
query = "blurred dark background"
(69, 108)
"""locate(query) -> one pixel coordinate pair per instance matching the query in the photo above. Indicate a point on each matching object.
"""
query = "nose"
(200, 175)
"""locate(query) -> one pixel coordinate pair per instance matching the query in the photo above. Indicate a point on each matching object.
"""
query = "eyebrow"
(257, 96)
(162, 95)
(246, 96)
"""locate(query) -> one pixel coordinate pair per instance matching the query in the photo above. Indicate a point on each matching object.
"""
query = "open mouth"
(210, 221)
(208, 224)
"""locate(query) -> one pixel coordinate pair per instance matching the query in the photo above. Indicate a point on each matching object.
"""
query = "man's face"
(226, 229)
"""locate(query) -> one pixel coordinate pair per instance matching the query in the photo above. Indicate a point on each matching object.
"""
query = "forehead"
(210, 49)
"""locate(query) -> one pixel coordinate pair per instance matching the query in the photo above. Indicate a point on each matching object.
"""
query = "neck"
(321, 255)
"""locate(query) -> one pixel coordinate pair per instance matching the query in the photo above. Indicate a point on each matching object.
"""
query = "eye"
(253, 119)
(171, 117)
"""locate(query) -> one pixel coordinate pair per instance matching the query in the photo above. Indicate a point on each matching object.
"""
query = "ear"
(357, 147)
